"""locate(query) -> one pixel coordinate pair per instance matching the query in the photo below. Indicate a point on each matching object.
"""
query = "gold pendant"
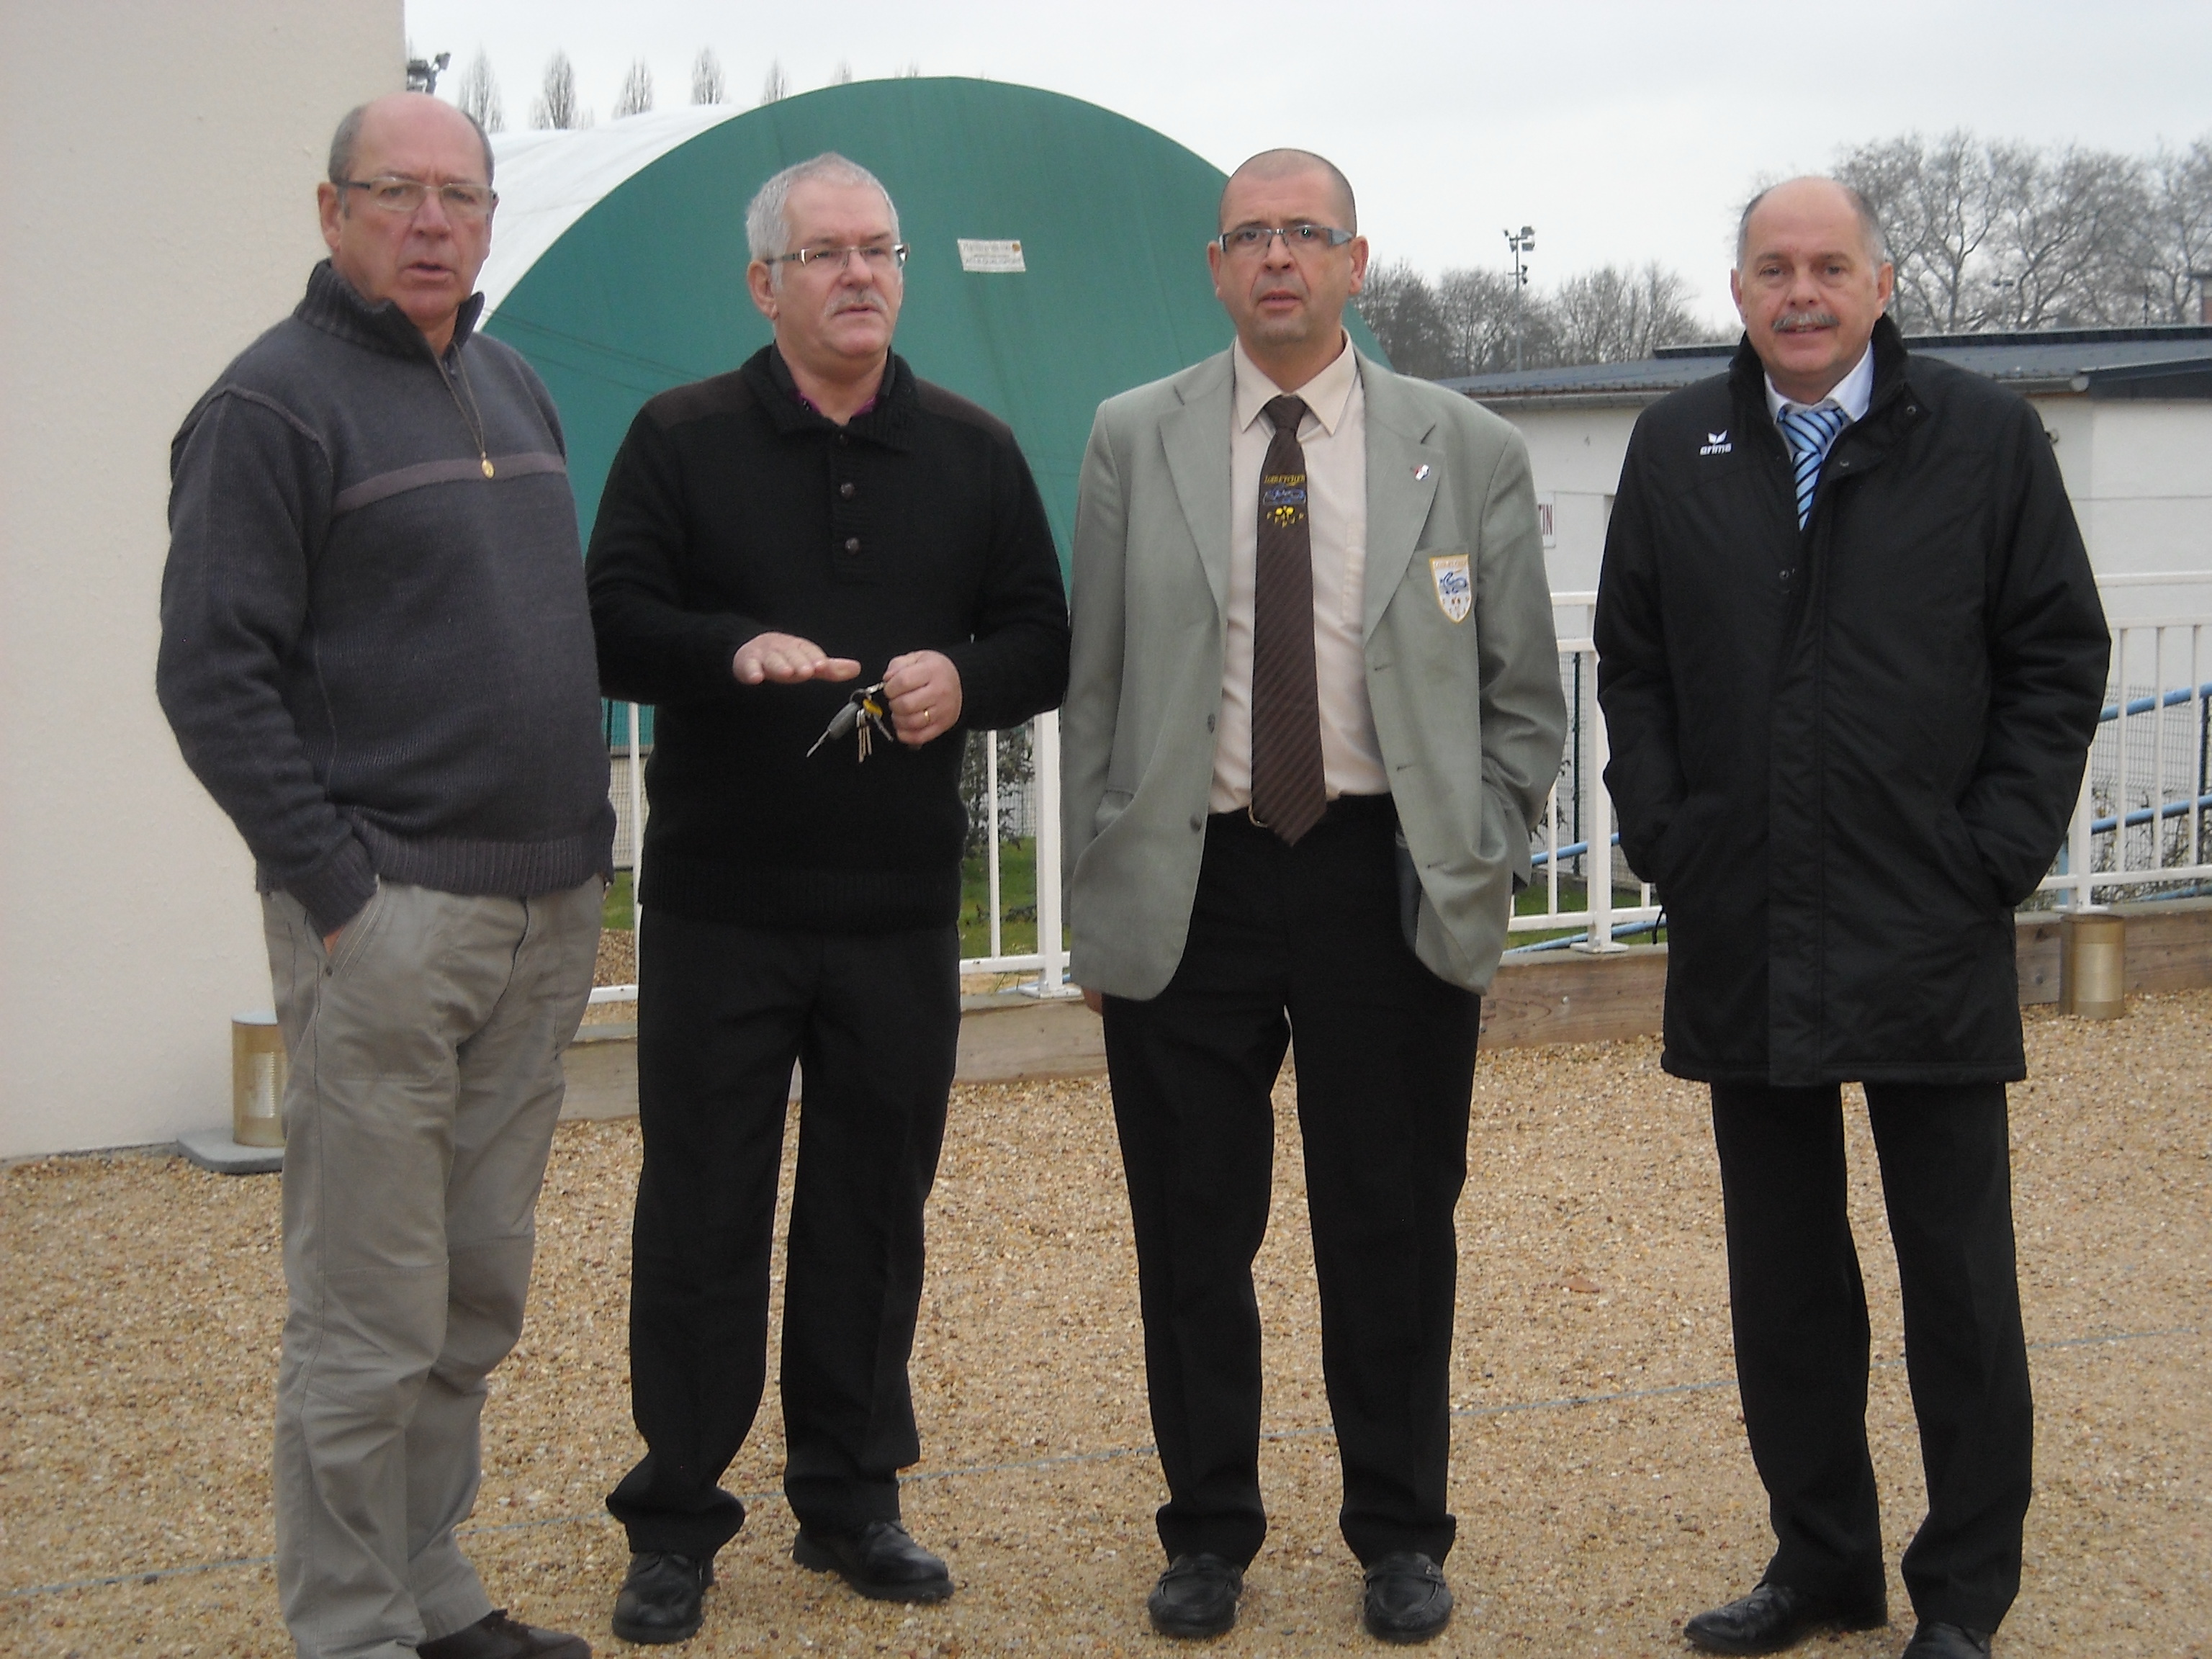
(487, 466)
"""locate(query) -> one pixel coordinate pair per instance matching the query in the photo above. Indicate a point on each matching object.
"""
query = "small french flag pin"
(1421, 472)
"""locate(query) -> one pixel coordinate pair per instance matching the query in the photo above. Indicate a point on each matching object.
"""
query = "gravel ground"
(1598, 1467)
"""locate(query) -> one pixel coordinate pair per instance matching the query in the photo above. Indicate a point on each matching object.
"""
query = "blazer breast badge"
(1455, 585)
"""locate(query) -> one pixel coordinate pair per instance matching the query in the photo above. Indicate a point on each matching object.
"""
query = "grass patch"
(1573, 897)
(616, 915)
(1017, 931)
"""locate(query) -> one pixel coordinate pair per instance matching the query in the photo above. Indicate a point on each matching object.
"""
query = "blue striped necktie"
(1811, 432)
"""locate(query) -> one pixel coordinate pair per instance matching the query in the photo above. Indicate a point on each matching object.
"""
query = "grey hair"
(1877, 244)
(768, 227)
(347, 139)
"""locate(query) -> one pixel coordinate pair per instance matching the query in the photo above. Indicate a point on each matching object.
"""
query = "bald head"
(405, 109)
(1271, 166)
(1813, 192)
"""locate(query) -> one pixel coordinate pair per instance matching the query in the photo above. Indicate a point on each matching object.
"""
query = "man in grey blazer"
(1314, 707)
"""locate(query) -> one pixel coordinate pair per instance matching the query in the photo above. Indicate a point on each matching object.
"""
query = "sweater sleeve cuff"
(333, 892)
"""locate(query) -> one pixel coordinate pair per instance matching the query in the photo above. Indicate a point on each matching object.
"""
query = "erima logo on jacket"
(1717, 443)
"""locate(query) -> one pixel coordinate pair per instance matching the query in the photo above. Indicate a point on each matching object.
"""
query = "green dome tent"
(618, 262)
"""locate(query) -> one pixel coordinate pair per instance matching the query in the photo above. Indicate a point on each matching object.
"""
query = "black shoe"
(1936, 1640)
(1408, 1600)
(495, 1636)
(1771, 1618)
(660, 1597)
(881, 1561)
(1196, 1596)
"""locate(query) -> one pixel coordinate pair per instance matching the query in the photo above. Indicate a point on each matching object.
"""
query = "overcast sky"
(1622, 129)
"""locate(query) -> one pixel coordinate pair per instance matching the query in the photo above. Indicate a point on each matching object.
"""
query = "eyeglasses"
(1251, 241)
(881, 257)
(406, 196)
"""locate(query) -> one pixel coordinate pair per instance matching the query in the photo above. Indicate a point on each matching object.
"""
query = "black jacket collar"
(1747, 375)
(335, 306)
(887, 423)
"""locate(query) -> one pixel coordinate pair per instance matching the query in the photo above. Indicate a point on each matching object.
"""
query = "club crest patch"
(1455, 586)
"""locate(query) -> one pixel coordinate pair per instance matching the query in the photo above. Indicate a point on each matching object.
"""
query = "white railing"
(2142, 822)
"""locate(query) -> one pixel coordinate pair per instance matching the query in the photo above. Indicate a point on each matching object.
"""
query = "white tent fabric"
(549, 180)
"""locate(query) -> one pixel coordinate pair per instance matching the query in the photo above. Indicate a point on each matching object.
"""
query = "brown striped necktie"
(1289, 792)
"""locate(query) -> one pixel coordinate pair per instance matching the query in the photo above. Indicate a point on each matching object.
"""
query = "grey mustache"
(1806, 319)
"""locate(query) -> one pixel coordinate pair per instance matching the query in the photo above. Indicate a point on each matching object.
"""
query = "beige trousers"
(426, 1081)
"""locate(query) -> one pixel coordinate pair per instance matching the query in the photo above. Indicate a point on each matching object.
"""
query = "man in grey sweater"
(377, 656)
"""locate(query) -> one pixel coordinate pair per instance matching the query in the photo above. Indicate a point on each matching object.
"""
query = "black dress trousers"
(1802, 1338)
(1299, 944)
(873, 1020)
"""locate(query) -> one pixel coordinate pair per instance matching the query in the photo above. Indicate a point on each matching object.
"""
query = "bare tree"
(1398, 304)
(1937, 207)
(1476, 307)
(2067, 225)
(2177, 242)
(707, 84)
(1466, 323)
(2001, 235)
(479, 95)
(635, 97)
(557, 106)
(843, 77)
(777, 86)
(912, 71)
(1617, 315)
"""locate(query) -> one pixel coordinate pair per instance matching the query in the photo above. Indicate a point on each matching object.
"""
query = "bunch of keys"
(865, 709)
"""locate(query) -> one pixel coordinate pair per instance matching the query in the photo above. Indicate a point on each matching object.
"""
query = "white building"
(159, 193)
(2129, 411)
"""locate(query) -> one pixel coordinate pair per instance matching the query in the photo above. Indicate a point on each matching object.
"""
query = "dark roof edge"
(1625, 397)
(2026, 337)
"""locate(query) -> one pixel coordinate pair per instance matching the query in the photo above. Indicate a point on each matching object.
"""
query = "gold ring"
(925, 716)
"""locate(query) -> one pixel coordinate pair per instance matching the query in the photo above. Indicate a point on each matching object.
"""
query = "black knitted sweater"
(732, 509)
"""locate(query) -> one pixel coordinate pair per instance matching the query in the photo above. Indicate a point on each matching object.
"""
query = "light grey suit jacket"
(1469, 712)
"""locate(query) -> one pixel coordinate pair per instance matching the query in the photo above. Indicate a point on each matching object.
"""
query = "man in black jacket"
(770, 542)
(1850, 656)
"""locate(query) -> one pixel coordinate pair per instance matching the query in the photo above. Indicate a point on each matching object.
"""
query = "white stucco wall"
(158, 193)
(1574, 455)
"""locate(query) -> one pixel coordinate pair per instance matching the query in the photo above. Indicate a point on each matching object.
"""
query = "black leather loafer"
(1408, 1600)
(881, 1561)
(1936, 1640)
(495, 1636)
(661, 1597)
(1774, 1617)
(1196, 1596)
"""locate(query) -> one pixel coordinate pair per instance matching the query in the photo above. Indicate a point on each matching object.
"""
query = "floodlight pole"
(1521, 241)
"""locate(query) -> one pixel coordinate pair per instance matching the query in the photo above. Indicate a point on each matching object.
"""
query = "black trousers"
(1800, 1312)
(1299, 943)
(723, 1012)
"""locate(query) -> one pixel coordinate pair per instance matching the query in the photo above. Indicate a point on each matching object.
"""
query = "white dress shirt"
(1853, 394)
(1334, 436)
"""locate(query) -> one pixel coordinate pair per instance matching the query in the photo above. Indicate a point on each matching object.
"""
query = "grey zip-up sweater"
(377, 660)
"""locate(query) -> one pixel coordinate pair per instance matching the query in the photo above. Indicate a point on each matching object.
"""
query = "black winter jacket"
(1843, 755)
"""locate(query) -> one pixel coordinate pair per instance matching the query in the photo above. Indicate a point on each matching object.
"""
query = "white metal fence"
(2144, 823)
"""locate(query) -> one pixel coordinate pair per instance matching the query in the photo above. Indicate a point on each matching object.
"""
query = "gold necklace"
(470, 418)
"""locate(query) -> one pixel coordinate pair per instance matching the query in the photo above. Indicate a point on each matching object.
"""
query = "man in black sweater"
(771, 541)
(377, 656)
